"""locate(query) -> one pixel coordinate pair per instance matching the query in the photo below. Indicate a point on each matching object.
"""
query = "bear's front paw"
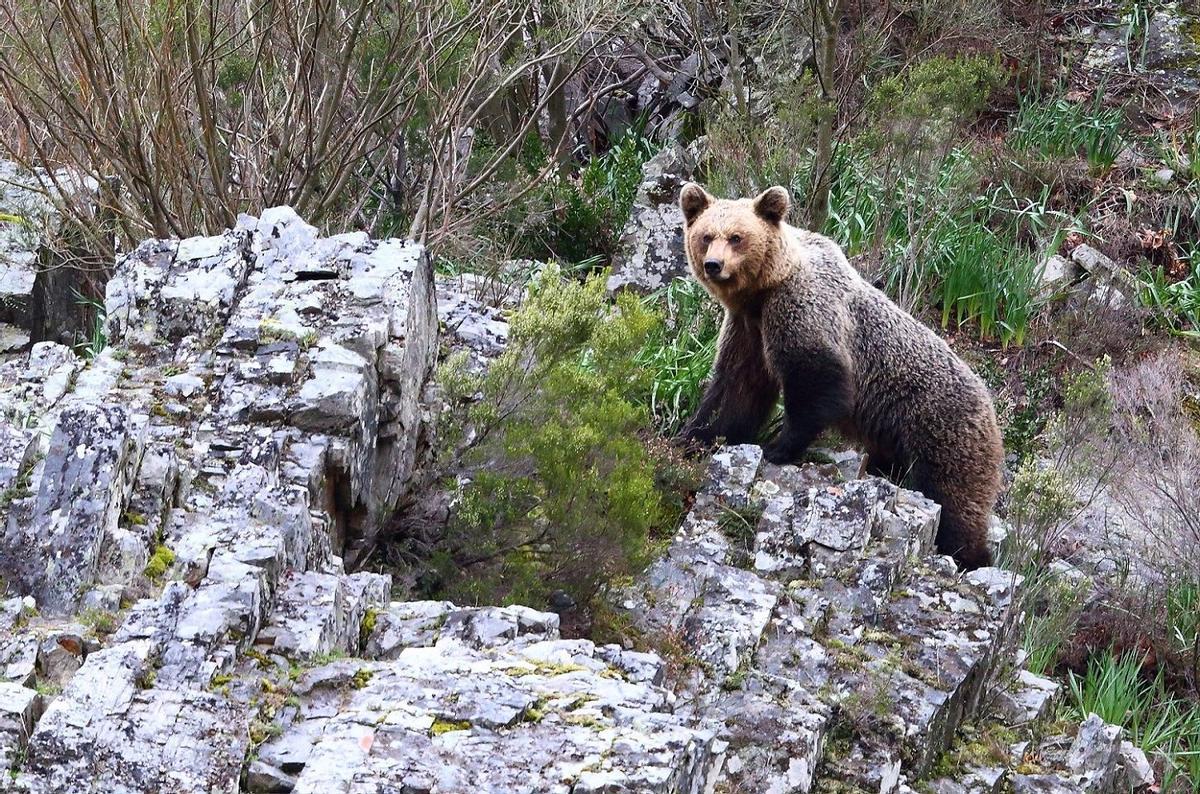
(781, 452)
(694, 440)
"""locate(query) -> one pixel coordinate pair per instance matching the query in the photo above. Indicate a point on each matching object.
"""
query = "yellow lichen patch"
(441, 726)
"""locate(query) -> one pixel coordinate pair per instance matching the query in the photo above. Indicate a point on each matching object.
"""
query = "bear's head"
(735, 247)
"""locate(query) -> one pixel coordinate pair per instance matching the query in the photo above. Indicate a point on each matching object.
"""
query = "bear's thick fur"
(799, 318)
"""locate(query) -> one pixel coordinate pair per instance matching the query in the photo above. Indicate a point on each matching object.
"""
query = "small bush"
(581, 216)
(557, 489)
(919, 108)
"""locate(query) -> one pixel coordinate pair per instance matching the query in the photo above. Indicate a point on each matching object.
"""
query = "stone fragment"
(317, 614)
(1092, 261)
(1139, 775)
(1027, 700)
(1095, 755)
(59, 655)
(85, 480)
(18, 711)
(409, 624)
(262, 778)
(1055, 270)
(1043, 784)
(504, 718)
(999, 584)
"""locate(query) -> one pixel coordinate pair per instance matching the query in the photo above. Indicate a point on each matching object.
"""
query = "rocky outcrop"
(180, 514)
(1156, 43)
(253, 420)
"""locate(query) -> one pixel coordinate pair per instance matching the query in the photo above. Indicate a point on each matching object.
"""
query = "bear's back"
(894, 357)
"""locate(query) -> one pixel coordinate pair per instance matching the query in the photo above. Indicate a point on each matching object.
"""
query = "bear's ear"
(772, 204)
(693, 200)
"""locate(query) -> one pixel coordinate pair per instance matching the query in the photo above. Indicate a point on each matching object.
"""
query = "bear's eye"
(707, 239)
(735, 238)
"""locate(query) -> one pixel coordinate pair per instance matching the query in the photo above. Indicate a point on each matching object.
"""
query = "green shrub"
(591, 210)
(159, 563)
(557, 488)
(1040, 498)
(920, 107)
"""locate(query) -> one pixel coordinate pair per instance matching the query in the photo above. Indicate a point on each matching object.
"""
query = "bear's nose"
(712, 266)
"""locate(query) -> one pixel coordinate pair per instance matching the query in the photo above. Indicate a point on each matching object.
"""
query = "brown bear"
(800, 319)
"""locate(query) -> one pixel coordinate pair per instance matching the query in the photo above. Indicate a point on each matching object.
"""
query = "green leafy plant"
(1176, 304)
(938, 239)
(97, 339)
(679, 354)
(592, 208)
(557, 489)
(1045, 630)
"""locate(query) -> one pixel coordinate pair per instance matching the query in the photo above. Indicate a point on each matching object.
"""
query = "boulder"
(651, 247)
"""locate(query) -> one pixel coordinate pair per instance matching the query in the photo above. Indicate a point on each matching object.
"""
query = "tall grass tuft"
(1157, 721)
(1176, 305)
(1061, 128)
(944, 242)
(680, 353)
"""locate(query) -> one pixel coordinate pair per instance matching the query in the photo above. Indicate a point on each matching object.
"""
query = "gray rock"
(179, 740)
(195, 431)
(1139, 775)
(999, 584)
(105, 598)
(54, 552)
(1043, 784)
(18, 711)
(411, 624)
(1055, 271)
(1028, 699)
(1092, 261)
(16, 455)
(59, 655)
(506, 719)
(38, 283)
(262, 778)
(470, 323)
(651, 247)
(1095, 755)
(317, 614)
(1163, 59)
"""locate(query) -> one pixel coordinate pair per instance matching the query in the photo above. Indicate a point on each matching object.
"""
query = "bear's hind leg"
(963, 530)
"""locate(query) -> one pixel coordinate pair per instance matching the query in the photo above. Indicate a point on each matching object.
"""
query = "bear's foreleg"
(816, 394)
(741, 391)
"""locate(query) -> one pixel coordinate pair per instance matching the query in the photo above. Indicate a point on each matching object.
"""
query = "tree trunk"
(827, 15)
